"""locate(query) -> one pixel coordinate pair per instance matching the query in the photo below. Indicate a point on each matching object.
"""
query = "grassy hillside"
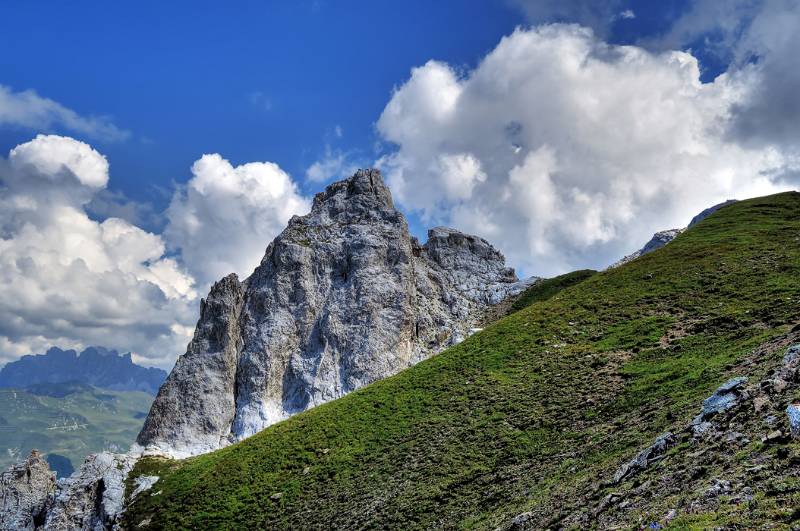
(550, 287)
(533, 413)
(73, 421)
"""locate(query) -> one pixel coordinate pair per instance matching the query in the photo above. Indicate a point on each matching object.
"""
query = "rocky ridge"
(344, 296)
(93, 498)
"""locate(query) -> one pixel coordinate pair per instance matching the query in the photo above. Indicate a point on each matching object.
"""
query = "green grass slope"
(529, 415)
(550, 287)
(71, 426)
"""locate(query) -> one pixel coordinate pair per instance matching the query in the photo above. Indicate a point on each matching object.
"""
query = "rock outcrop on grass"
(723, 458)
(344, 296)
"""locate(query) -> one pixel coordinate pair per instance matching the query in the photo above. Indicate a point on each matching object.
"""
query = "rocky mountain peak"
(364, 192)
(344, 296)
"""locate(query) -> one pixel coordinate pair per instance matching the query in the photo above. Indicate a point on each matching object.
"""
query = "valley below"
(67, 422)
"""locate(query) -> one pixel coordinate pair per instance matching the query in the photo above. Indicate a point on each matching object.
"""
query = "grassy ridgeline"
(528, 415)
(550, 287)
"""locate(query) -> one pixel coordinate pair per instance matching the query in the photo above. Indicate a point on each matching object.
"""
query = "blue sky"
(263, 81)
(565, 132)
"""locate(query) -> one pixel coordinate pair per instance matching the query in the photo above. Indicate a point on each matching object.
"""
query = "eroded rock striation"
(342, 298)
(94, 496)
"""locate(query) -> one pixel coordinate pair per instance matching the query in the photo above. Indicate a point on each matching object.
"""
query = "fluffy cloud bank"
(225, 216)
(69, 280)
(29, 110)
(72, 281)
(567, 151)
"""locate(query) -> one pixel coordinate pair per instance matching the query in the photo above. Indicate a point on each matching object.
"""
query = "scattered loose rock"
(521, 521)
(725, 397)
(718, 487)
(773, 437)
(645, 457)
(760, 403)
(793, 412)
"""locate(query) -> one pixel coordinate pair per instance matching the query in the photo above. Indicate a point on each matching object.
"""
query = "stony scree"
(793, 412)
(716, 439)
(646, 457)
(344, 296)
(725, 397)
(26, 489)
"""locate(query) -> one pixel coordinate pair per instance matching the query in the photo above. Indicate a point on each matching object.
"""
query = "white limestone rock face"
(92, 498)
(342, 298)
(200, 391)
(26, 489)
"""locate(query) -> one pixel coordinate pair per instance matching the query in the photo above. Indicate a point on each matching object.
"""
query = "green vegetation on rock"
(535, 413)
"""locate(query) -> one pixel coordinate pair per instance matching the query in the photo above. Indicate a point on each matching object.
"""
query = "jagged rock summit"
(343, 297)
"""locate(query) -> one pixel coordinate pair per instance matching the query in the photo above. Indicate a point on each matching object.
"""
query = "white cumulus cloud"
(71, 281)
(566, 151)
(223, 219)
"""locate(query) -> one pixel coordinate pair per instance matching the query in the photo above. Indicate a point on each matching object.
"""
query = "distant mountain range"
(95, 366)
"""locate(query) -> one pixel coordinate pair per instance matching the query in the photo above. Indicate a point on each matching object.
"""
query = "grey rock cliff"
(93, 498)
(200, 390)
(342, 298)
(25, 491)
